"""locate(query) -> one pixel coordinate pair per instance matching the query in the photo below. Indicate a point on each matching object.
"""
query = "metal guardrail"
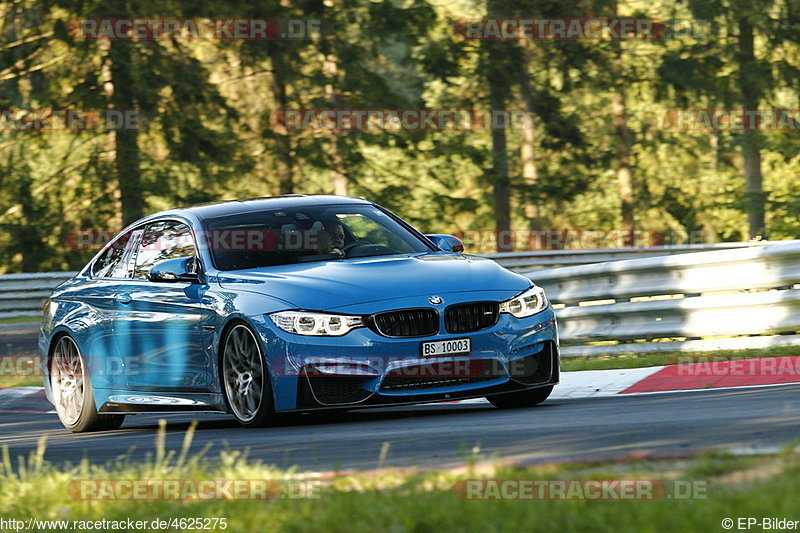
(24, 294)
(737, 292)
(688, 296)
(567, 257)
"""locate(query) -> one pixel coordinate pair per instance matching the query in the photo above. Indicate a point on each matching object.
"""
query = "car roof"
(232, 207)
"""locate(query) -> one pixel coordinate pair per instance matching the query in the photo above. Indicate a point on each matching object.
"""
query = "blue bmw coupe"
(289, 304)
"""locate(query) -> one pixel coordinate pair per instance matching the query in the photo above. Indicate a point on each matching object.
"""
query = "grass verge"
(20, 371)
(399, 501)
(22, 319)
(632, 360)
(20, 381)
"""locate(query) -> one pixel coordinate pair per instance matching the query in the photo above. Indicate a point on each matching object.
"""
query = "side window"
(163, 240)
(116, 260)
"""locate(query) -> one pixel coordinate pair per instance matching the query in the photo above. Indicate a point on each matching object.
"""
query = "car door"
(163, 329)
(98, 293)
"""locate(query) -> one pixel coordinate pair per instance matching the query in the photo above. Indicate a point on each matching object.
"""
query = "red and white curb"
(589, 384)
(706, 375)
(596, 383)
(583, 384)
(720, 375)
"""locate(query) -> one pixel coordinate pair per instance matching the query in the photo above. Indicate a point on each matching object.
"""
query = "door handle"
(124, 298)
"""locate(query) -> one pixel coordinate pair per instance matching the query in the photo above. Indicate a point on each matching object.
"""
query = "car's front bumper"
(364, 368)
(430, 381)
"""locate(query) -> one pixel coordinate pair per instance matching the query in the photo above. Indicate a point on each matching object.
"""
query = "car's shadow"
(318, 418)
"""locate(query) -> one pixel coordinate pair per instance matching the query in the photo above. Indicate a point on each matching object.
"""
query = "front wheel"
(525, 398)
(72, 391)
(245, 378)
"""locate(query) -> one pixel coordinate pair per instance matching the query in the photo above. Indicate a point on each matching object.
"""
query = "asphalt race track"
(19, 339)
(669, 424)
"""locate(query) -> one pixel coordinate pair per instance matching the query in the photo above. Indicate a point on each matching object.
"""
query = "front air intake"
(421, 322)
(474, 316)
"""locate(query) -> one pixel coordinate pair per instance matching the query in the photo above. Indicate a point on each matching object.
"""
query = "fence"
(742, 293)
(24, 294)
(550, 258)
(750, 293)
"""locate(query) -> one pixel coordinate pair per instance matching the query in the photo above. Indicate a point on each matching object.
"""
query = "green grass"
(19, 371)
(20, 381)
(21, 319)
(396, 501)
(632, 360)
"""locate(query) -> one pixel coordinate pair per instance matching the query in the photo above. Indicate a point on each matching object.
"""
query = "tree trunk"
(530, 172)
(622, 140)
(338, 177)
(330, 69)
(755, 198)
(126, 159)
(282, 140)
(498, 96)
(502, 184)
(624, 173)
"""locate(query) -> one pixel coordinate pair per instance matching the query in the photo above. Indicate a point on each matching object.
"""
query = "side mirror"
(174, 270)
(446, 243)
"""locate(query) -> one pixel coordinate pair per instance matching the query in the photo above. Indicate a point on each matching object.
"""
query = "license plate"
(449, 347)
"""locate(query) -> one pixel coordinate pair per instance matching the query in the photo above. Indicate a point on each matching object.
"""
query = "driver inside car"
(330, 237)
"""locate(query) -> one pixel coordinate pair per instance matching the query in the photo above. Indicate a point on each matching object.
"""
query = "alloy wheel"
(243, 373)
(68, 381)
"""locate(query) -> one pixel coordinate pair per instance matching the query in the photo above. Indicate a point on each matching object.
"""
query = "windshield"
(305, 234)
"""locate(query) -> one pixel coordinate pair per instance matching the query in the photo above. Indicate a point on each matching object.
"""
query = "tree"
(164, 87)
(498, 85)
(753, 38)
(622, 136)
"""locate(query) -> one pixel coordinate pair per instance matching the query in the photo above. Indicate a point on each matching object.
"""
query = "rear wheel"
(525, 398)
(245, 378)
(72, 391)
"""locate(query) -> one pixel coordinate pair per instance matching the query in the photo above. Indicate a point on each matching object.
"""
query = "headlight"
(317, 324)
(528, 303)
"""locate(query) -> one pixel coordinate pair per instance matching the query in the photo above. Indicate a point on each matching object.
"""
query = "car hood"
(333, 284)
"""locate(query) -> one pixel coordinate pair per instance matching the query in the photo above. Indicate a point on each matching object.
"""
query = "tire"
(73, 395)
(525, 398)
(110, 422)
(245, 378)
